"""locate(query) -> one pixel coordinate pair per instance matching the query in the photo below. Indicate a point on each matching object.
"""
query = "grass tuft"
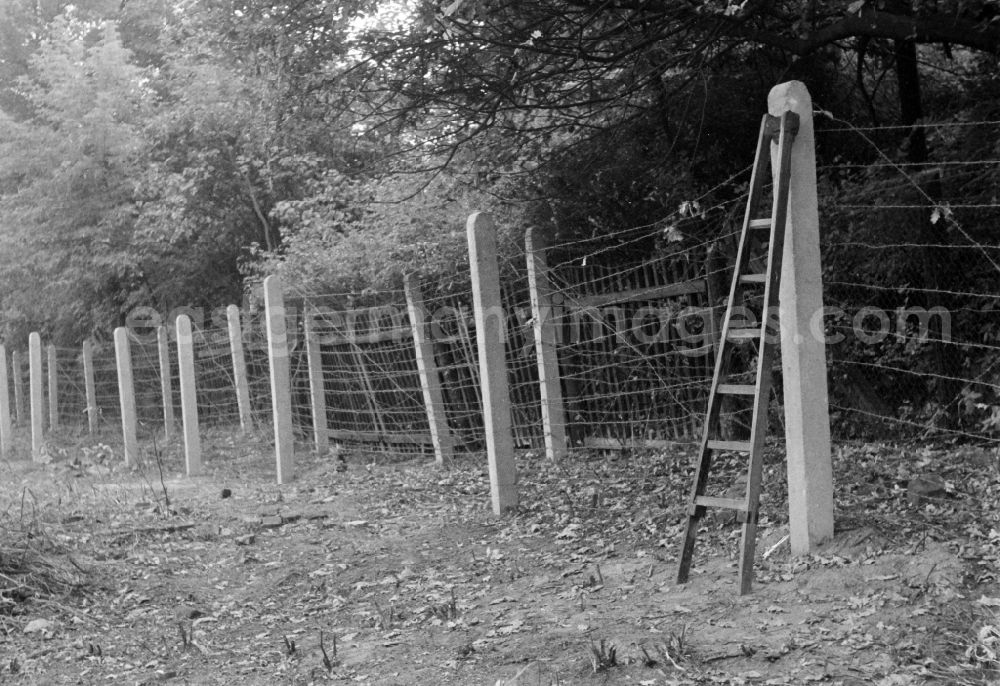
(32, 564)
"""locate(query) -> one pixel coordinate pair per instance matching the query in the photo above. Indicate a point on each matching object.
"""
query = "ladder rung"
(736, 389)
(762, 223)
(753, 278)
(743, 334)
(726, 503)
(737, 446)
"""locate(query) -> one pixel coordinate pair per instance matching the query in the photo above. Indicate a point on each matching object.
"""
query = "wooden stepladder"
(752, 306)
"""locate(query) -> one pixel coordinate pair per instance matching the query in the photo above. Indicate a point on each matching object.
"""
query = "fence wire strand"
(636, 313)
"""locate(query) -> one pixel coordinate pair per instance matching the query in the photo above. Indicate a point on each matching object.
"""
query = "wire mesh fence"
(636, 366)
(371, 390)
(453, 337)
(911, 259)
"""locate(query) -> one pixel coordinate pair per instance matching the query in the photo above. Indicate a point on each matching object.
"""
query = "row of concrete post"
(808, 443)
(278, 359)
(280, 386)
(807, 427)
(490, 323)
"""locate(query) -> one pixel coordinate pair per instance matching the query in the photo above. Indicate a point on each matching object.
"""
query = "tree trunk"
(910, 106)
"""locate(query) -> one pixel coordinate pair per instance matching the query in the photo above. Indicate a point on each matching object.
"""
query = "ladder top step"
(753, 278)
(735, 446)
(742, 334)
(762, 223)
(736, 389)
(725, 503)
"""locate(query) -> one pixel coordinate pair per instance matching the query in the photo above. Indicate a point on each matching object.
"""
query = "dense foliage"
(168, 153)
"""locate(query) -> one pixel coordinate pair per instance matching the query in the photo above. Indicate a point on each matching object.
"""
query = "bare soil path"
(373, 572)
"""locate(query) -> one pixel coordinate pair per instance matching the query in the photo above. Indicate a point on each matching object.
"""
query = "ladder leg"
(694, 515)
(748, 546)
(748, 539)
(687, 549)
(755, 468)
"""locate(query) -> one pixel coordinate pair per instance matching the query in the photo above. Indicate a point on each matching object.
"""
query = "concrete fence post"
(17, 371)
(89, 387)
(37, 400)
(491, 343)
(6, 431)
(803, 355)
(239, 366)
(317, 388)
(166, 382)
(546, 348)
(430, 379)
(189, 395)
(126, 395)
(52, 367)
(281, 393)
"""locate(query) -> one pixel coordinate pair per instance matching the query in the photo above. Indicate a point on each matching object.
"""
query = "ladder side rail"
(765, 357)
(695, 511)
(761, 160)
(758, 178)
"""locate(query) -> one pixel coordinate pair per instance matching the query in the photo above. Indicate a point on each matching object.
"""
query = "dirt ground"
(366, 570)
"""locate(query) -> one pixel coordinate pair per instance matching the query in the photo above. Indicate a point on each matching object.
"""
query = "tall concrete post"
(427, 369)
(36, 394)
(52, 363)
(166, 383)
(189, 395)
(491, 342)
(317, 386)
(17, 372)
(546, 346)
(281, 391)
(126, 396)
(89, 387)
(239, 366)
(803, 355)
(6, 429)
